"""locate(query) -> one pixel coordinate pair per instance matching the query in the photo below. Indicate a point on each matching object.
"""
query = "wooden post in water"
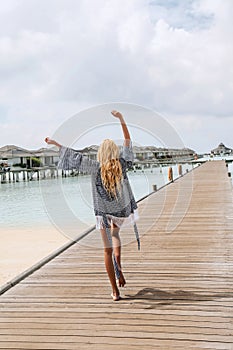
(52, 173)
(3, 178)
(180, 170)
(170, 174)
(43, 174)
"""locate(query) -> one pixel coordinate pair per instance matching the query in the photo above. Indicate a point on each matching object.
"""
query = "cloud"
(173, 56)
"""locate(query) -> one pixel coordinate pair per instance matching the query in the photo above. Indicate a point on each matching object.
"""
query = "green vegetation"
(36, 162)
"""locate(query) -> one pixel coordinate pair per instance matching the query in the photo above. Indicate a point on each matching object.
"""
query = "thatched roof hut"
(222, 150)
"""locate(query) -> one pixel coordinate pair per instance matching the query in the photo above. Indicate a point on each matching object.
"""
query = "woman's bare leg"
(109, 263)
(116, 241)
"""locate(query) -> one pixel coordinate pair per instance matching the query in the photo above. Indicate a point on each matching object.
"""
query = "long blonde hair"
(110, 166)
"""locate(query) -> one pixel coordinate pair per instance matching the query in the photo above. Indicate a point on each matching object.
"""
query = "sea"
(23, 204)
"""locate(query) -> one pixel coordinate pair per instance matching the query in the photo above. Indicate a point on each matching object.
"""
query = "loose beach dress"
(121, 210)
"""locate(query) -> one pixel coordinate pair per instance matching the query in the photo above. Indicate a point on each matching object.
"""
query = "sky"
(59, 58)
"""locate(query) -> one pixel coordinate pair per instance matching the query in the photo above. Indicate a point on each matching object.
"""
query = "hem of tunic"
(118, 221)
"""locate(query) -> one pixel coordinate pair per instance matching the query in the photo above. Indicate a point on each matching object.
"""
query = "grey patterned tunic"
(107, 209)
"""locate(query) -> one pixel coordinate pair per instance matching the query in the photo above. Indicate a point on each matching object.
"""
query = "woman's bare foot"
(115, 295)
(121, 280)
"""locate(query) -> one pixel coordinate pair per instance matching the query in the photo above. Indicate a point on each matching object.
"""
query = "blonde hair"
(110, 166)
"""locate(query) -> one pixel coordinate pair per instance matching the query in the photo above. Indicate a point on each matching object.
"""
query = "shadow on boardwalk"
(152, 297)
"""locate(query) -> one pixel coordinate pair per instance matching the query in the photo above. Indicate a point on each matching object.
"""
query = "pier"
(51, 172)
(179, 291)
(42, 173)
(28, 174)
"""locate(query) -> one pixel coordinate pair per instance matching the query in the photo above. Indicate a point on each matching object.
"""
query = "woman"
(113, 200)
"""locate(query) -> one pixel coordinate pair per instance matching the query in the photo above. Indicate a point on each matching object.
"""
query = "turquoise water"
(22, 204)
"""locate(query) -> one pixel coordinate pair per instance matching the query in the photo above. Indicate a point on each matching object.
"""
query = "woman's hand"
(117, 114)
(52, 142)
(49, 141)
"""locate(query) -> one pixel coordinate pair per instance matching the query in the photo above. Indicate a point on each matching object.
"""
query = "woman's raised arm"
(70, 159)
(125, 130)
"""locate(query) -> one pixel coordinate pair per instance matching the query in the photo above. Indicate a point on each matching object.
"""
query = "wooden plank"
(164, 344)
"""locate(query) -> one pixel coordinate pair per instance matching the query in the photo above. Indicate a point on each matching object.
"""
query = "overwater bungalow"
(222, 150)
(17, 156)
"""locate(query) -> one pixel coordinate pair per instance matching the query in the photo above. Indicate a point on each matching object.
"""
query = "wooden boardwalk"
(179, 292)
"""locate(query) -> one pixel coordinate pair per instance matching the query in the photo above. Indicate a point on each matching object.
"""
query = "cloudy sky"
(60, 57)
